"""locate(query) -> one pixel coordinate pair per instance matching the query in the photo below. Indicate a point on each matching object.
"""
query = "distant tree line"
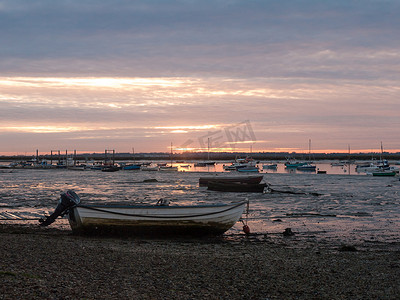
(214, 156)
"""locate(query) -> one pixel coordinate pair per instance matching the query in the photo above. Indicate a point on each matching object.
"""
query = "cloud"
(116, 70)
(179, 38)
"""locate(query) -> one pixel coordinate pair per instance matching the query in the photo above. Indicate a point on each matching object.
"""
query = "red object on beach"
(246, 229)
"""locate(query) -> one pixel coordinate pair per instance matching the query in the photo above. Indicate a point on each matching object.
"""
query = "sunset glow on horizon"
(266, 76)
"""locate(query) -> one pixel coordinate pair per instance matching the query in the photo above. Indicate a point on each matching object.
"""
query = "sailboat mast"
(208, 155)
(348, 161)
(171, 154)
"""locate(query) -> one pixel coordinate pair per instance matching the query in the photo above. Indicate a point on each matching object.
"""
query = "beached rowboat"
(156, 220)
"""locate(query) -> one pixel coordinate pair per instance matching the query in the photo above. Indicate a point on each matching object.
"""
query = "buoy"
(246, 229)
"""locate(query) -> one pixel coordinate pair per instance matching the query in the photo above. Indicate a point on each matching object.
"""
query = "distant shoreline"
(213, 156)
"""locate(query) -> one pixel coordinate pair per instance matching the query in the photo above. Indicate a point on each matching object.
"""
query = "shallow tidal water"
(340, 208)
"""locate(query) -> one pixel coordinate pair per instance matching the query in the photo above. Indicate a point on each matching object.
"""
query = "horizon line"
(180, 152)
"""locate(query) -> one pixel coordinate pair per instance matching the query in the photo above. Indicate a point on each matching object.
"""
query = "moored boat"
(240, 163)
(80, 167)
(168, 168)
(96, 167)
(270, 166)
(203, 181)
(306, 167)
(384, 173)
(149, 168)
(131, 167)
(294, 164)
(338, 164)
(230, 168)
(248, 169)
(237, 187)
(204, 164)
(110, 168)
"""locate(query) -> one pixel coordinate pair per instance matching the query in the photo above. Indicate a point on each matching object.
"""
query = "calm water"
(336, 207)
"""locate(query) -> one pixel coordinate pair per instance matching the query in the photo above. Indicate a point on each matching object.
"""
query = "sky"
(221, 75)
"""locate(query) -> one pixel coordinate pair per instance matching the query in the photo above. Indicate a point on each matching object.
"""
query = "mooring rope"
(24, 219)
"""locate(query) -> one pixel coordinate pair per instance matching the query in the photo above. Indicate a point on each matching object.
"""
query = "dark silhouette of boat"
(238, 187)
(110, 168)
(203, 181)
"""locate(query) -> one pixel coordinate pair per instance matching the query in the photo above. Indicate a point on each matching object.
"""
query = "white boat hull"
(155, 220)
(168, 169)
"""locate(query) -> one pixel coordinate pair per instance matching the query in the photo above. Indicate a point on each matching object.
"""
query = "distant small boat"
(255, 179)
(393, 169)
(131, 167)
(270, 166)
(96, 166)
(237, 187)
(294, 164)
(306, 167)
(240, 163)
(230, 168)
(79, 167)
(384, 173)
(248, 169)
(149, 168)
(112, 168)
(374, 166)
(204, 163)
(168, 168)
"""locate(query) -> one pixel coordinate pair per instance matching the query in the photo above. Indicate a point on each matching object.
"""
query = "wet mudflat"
(345, 243)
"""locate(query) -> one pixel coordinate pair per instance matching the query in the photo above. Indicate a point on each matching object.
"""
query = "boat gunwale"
(222, 205)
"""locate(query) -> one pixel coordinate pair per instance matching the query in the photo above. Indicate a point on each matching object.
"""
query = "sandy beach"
(49, 263)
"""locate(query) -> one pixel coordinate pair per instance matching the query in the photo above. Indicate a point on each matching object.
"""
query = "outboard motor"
(67, 200)
(162, 202)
